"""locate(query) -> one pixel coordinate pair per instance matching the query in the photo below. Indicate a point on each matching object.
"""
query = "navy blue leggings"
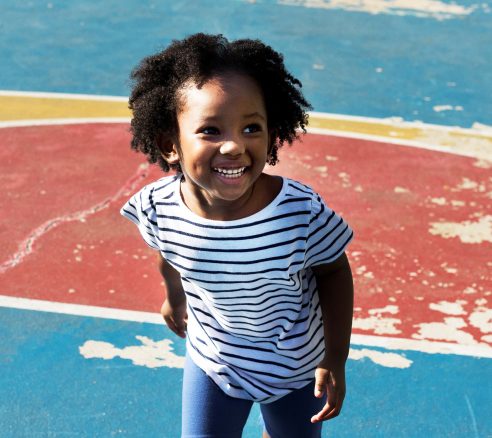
(208, 412)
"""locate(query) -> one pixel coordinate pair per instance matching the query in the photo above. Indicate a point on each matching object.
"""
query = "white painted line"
(482, 350)
(67, 121)
(398, 122)
(481, 130)
(70, 96)
(80, 310)
(463, 150)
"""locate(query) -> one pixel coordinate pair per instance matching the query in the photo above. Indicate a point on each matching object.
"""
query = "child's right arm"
(173, 309)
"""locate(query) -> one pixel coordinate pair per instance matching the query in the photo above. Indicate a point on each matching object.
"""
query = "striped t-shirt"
(254, 319)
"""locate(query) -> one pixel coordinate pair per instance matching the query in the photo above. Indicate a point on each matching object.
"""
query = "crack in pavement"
(26, 246)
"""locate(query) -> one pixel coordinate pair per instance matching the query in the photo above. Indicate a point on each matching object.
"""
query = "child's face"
(223, 140)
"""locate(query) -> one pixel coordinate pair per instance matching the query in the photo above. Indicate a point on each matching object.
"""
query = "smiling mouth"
(230, 173)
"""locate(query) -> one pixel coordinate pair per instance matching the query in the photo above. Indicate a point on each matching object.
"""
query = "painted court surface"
(399, 145)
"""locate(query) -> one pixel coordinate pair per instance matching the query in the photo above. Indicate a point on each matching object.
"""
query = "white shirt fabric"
(254, 319)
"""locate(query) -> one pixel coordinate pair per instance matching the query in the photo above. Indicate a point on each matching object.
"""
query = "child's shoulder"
(296, 188)
(149, 194)
(160, 187)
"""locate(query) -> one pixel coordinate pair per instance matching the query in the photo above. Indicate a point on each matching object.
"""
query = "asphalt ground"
(399, 144)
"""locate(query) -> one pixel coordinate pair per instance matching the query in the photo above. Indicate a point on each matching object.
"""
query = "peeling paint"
(440, 108)
(345, 177)
(483, 164)
(388, 309)
(468, 184)
(449, 308)
(390, 360)
(449, 330)
(448, 269)
(479, 231)
(151, 354)
(438, 201)
(378, 325)
(481, 318)
(398, 189)
(419, 8)
(330, 158)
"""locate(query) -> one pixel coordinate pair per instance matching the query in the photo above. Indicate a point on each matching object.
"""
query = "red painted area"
(50, 173)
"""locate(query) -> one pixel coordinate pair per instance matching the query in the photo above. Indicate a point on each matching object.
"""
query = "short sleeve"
(328, 234)
(140, 209)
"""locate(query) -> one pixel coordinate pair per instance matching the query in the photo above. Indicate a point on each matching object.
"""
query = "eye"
(251, 129)
(209, 130)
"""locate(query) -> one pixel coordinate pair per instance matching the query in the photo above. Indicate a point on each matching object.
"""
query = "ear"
(169, 150)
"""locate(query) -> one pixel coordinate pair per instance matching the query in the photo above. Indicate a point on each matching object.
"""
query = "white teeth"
(230, 173)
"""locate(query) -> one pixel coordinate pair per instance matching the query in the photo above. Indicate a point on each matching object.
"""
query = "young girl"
(254, 265)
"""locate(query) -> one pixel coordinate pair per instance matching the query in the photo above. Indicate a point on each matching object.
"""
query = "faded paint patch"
(479, 231)
(440, 108)
(156, 354)
(449, 308)
(449, 330)
(420, 8)
(443, 201)
(449, 269)
(388, 309)
(483, 164)
(331, 158)
(378, 325)
(468, 184)
(481, 318)
(390, 360)
(398, 189)
(151, 354)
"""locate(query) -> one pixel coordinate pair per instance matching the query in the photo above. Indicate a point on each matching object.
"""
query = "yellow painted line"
(43, 107)
(35, 108)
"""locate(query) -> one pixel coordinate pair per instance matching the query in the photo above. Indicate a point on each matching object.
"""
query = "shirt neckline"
(255, 216)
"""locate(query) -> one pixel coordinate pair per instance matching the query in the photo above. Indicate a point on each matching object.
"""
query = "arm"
(336, 295)
(173, 309)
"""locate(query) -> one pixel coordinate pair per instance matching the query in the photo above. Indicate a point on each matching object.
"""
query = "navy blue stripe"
(288, 201)
(258, 248)
(331, 256)
(234, 262)
(233, 227)
(204, 271)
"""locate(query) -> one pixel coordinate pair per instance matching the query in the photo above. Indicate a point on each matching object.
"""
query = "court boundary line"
(316, 131)
(388, 343)
(69, 96)
(393, 121)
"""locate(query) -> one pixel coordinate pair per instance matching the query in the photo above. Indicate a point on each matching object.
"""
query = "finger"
(173, 327)
(321, 380)
(330, 410)
(181, 329)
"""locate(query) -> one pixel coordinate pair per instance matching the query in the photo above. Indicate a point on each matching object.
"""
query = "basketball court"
(402, 153)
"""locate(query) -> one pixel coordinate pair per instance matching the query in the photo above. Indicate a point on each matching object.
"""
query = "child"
(254, 265)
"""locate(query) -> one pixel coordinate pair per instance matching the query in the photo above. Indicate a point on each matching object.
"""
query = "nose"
(232, 147)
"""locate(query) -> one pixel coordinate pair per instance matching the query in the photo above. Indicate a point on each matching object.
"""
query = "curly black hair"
(157, 80)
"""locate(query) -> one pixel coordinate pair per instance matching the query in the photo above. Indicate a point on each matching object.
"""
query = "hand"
(331, 379)
(175, 317)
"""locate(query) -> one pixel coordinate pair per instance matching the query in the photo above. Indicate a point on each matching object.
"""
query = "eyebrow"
(212, 119)
(255, 114)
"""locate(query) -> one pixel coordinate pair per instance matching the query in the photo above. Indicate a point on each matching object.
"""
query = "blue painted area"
(49, 389)
(91, 47)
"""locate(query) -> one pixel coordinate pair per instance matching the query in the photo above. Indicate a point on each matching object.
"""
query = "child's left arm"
(336, 295)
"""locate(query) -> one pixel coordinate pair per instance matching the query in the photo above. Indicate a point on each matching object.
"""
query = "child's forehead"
(220, 87)
(222, 79)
